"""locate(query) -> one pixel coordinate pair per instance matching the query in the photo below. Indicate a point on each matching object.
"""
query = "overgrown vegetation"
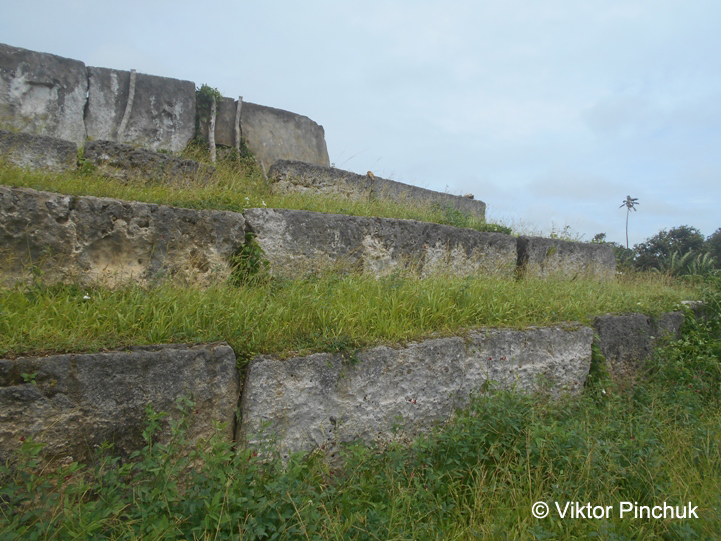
(278, 315)
(237, 184)
(475, 478)
(204, 98)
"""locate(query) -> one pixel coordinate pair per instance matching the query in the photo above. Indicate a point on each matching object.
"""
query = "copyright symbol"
(540, 510)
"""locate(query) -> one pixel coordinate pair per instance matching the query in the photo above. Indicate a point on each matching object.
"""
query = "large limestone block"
(273, 134)
(543, 258)
(75, 402)
(224, 123)
(299, 177)
(93, 238)
(380, 394)
(126, 162)
(162, 116)
(38, 151)
(41, 93)
(295, 242)
(628, 340)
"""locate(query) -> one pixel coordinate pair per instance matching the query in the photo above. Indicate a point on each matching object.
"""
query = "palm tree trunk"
(627, 213)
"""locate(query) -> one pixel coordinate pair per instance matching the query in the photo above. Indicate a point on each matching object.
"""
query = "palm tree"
(630, 204)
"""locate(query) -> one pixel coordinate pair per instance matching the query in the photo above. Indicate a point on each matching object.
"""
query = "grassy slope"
(318, 313)
(473, 479)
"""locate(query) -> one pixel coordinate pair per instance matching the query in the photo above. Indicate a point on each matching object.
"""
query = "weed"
(30, 377)
(249, 262)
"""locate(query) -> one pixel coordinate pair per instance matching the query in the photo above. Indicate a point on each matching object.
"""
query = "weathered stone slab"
(294, 176)
(92, 238)
(42, 94)
(75, 402)
(38, 151)
(224, 123)
(162, 116)
(628, 340)
(295, 242)
(273, 134)
(381, 394)
(125, 162)
(543, 258)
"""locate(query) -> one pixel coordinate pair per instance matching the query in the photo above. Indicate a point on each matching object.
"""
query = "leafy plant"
(30, 377)
(248, 262)
(204, 97)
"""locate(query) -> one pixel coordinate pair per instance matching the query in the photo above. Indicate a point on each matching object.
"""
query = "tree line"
(676, 251)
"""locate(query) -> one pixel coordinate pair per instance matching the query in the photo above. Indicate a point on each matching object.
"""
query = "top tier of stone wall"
(42, 94)
(45, 94)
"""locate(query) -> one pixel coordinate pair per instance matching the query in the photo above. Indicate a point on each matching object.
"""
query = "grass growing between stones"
(318, 313)
(475, 478)
(234, 187)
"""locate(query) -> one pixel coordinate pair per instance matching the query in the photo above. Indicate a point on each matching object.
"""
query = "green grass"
(234, 187)
(475, 478)
(318, 313)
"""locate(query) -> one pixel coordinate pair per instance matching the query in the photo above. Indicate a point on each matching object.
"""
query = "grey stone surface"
(295, 176)
(628, 340)
(38, 151)
(162, 116)
(42, 94)
(381, 394)
(125, 162)
(698, 308)
(297, 241)
(273, 134)
(91, 238)
(543, 258)
(224, 124)
(75, 402)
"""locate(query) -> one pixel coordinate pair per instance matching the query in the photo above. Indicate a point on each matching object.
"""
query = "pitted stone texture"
(273, 134)
(126, 162)
(296, 242)
(42, 94)
(224, 123)
(38, 151)
(628, 340)
(162, 116)
(382, 394)
(91, 238)
(75, 402)
(544, 258)
(299, 177)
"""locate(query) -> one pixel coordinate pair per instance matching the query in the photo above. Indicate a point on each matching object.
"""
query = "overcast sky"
(550, 111)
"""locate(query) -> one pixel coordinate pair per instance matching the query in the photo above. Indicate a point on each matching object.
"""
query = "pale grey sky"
(551, 112)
